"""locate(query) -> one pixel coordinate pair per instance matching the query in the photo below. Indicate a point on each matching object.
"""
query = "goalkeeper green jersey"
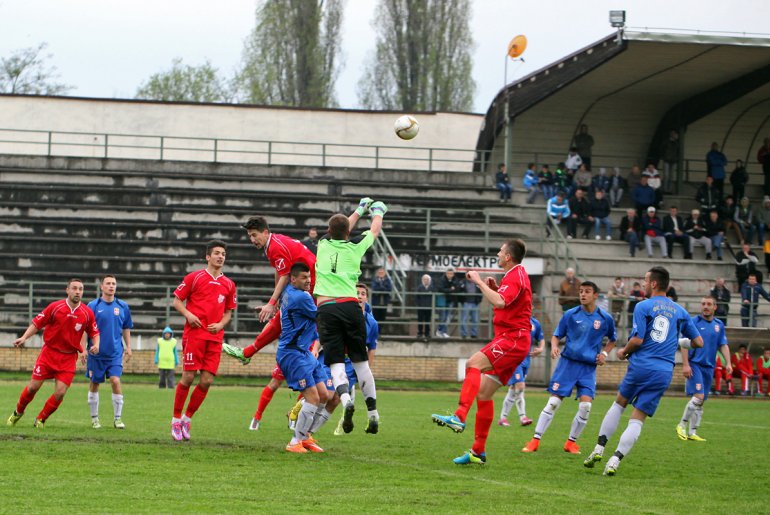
(338, 265)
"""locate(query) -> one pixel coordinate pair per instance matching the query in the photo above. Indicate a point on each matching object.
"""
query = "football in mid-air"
(406, 127)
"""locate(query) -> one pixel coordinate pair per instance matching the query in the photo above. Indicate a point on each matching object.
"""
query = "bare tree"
(422, 61)
(185, 83)
(27, 72)
(292, 55)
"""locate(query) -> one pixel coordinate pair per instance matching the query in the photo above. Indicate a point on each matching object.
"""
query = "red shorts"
(506, 352)
(201, 354)
(277, 374)
(57, 365)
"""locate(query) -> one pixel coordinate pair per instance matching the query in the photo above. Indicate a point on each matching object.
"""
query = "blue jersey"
(713, 334)
(298, 314)
(585, 332)
(111, 319)
(658, 322)
(535, 335)
(372, 331)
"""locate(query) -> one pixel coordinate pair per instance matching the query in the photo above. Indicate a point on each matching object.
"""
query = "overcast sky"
(107, 48)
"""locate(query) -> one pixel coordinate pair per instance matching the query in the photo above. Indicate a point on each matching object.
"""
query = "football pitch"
(406, 468)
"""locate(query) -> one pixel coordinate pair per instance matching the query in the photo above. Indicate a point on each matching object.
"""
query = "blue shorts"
(569, 375)
(644, 388)
(300, 368)
(519, 375)
(700, 382)
(99, 369)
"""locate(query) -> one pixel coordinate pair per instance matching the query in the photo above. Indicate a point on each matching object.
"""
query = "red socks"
(468, 392)
(180, 396)
(25, 398)
(196, 399)
(485, 414)
(51, 405)
(264, 400)
(270, 333)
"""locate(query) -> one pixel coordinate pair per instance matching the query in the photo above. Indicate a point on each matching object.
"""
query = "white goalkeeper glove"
(363, 205)
(378, 209)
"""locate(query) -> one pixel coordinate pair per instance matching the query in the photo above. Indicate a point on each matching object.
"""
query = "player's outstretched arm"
(491, 295)
(31, 330)
(363, 207)
(377, 210)
(267, 311)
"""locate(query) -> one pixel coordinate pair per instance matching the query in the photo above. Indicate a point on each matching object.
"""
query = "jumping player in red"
(206, 298)
(492, 367)
(64, 323)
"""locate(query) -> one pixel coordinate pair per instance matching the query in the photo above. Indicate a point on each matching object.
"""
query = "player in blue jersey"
(698, 367)
(300, 367)
(113, 318)
(517, 383)
(650, 351)
(584, 329)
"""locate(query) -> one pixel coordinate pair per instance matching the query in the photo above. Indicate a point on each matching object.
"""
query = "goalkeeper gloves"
(363, 205)
(378, 209)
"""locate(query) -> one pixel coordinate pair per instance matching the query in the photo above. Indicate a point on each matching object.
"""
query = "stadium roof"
(632, 91)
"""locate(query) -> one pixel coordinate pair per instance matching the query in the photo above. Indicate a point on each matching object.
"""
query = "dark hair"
(74, 280)
(214, 244)
(299, 267)
(107, 277)
(530, 165)
(546, 167)
(256, 222)
(365, 287)
(591, 285)
(517, 249)
(753, 274)
(339, 227)
(618, 278)
(742, 346)
(500, 166)
(661, 277)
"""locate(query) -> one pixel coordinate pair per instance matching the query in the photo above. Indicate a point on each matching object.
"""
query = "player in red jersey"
(492, 366)
(763, 371)
(206, 298)
(64, 323)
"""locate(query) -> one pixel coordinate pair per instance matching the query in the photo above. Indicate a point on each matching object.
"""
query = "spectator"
(744, 217)
(763, 158)
(654, 181)
(311, 241)
(617, 186)
(695, 227)
(671, 294)
(166, 358)
(720, 373)
(583, 144)
(763, 371)
(634, 177)
(630, 230)
(743, 368)
(569, 290)
(580, 213)
(469, 315)
(715, 230)
(634, 298)
(722, 295)
(669, 153)
(653, 233)
(617, 294)
(600, 211)
(715, 166)
(449, 286)
(531, 183)
(673, 230)
(746, 263)
(583, 178)
(767, 254)
(546, 182)
(503, 183)
(557, 211)
(738, 178)
(727, 215)
(601, 181)
(708, 196)
(562, 180)
(643, 196)
(762, 219)
(750, 293)
(382, 287)
(424, 302)
(573, 160)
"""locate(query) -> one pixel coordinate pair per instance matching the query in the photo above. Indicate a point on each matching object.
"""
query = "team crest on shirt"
(698, 386)
(555, 386)
(78, 327)
(280, 264)
(501, 289)
(597, 324)
(496, 351)
(221, 298)
(302, 383)
(716, 328)
(116, 311)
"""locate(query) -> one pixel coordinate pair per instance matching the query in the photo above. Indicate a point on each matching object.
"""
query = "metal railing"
(387, 258)
(550, 234)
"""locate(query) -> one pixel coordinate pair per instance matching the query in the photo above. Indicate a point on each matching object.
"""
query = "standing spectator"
(722, 294)
(750, 293)
(531, 183)
(673, 230)
(634, 297)
(695, 227)
(311, 241)
(708, 196)
(634, 177)
(424, 302)
(600, 211)
(569, 290)
(583, 178)
(655, 182)
(715, 166)
(763, 371)
(643, 196)
(727, 215)
(762, 218)
(738, 178)
(382, 287)
(573, 161)
(653, 233)
(601, 181)
(630, 230)
(617, 186)
(580, 213)
(584, 142)
(557, 211)
(617, 294)
(763, 158)
(166, 358)
(746, 263)
(715, 230)
(546, 182)
(503, 183)
(469, 315)
(743, 368)
(669, 153)
(449, 285)
(744, 217)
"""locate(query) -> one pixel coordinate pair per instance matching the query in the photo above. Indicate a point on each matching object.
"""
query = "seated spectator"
(738, 178)
(573, 160)
(531, 183)
(617, 294)
(546, 182)
(643, 196)
(673, 230)
(580, 213)
(743, 368)
(653, 233)
(727, 215)
(557, 211)
(630, 230)
(744, 217)
(503, 183)
(569, 290)
(655, 182)
(311, 241)
(708, 196)
(720, 373)
(600, 211)
(617, 186)
(583, 178)
(715, 166)
(715, 230)
(601, 182)
(762, 218)
(763, 371)
(635, 297)
(695, 227)
(746, 262)
(423, 299)
(722, 295)
(382, 287)
(750, 293)
(562, 180)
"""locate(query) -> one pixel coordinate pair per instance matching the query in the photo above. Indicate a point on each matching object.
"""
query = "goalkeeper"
(341, 324)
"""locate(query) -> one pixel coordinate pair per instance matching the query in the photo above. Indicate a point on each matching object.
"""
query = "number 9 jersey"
(658, 321)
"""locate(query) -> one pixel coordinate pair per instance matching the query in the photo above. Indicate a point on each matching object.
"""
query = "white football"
(406, 127)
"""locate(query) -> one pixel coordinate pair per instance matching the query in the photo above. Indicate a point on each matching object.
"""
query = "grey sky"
(106, 48)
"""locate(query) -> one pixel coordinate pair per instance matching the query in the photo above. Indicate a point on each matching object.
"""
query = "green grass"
(69, 467)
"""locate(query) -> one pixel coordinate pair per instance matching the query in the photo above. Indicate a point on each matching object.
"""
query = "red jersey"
(743, 364)
(517, 294)
(283, 252)
(207, 297)
(64, 326)
(763, 367)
